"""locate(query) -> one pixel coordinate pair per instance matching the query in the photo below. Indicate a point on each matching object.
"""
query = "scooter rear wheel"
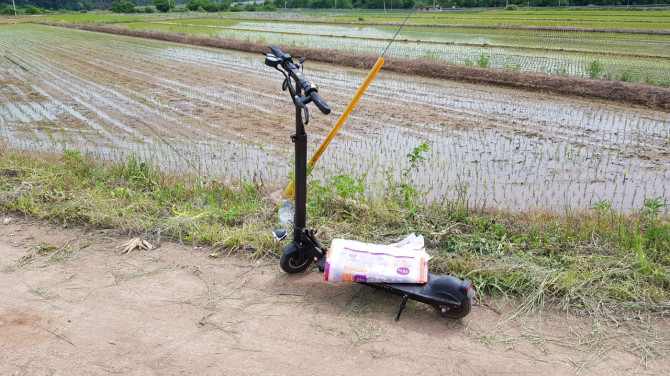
(291, 264)
(454, 313)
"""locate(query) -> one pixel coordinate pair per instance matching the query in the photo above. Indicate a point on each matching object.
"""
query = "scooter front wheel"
(454, 313)
(292, 264)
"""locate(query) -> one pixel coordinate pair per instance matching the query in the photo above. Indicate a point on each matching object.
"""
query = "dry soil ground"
(82, 308)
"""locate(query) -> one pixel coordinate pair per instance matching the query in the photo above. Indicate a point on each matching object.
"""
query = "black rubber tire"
(291, 265)
(462, 311)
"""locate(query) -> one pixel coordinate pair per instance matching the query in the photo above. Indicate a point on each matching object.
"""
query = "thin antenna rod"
(400, 28)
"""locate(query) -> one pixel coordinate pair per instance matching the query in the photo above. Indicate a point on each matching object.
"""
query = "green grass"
(92, 18)
(598, 262)
(596, 24)
(649, 20)
(176, 28)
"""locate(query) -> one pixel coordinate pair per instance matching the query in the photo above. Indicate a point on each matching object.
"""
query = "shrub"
(7, 11)
(122, 6)
(31, 9)
(512, 7)
(148, 10)
(163, 5)
(211, 7)
(194, 5)
(595, 70)
(627, 77)
(469, 62)
(484, 61)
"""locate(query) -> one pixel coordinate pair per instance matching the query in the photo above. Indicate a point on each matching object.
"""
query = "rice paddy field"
(222, 114)
(634, 45)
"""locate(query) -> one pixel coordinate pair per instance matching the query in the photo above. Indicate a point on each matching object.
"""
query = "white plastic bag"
(402, 262)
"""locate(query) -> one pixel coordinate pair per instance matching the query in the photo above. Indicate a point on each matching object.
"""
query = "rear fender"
(449, 287)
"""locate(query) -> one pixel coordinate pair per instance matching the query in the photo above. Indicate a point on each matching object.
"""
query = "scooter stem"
(300, 178)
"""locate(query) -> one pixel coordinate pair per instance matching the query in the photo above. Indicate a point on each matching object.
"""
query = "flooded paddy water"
(223, 114)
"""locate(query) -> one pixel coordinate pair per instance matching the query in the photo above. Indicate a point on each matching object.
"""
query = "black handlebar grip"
(319, 102)
(276, 51)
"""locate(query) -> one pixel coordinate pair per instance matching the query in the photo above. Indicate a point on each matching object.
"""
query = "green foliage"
(31, 9)
(484, 61)
(403, 193)
(652, 207)
(164, 5)
(515, 68)
(512, 7)
(468, 62)
(8, 10)
(627, 77)
(416, 156)
(211, 7)
(194, 5)
(334, 192)
(148, 10)
(595, 70)
(122, 6)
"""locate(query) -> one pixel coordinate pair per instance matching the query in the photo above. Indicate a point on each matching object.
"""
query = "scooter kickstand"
(405, 298)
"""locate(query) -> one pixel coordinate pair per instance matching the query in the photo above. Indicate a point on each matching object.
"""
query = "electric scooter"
(449, 296)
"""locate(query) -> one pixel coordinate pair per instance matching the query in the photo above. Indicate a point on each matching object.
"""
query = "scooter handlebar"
(276, 51)
(319, 102)
(294, 72)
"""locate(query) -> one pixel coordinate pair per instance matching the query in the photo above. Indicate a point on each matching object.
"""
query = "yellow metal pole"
(289, 192)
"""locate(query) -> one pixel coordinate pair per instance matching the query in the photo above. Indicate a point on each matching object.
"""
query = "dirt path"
(82, 308)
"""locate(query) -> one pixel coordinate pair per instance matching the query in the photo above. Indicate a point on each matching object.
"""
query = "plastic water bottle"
(286, 213)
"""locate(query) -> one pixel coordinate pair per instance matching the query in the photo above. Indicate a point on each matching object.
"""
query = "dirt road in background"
(72, 305)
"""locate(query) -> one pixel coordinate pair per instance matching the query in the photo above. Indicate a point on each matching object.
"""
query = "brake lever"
(302, 102)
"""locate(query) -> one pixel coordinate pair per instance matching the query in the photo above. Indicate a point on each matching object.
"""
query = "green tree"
(31, 9)
(270, 6)
(122, 6)
(163, 5)
(194, 5)
(7, 11)
(211, 7)
(224, 6)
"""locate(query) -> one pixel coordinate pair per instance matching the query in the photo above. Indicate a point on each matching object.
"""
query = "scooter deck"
(439, 290)
(450, 296)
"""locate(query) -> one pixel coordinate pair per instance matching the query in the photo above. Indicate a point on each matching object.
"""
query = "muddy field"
(222, 113)
(651, 96)
(72, 305)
